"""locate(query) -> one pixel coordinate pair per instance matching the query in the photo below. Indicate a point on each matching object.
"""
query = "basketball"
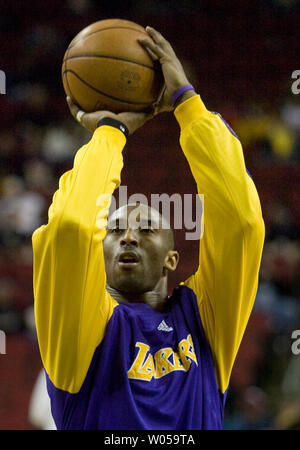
(106, 68)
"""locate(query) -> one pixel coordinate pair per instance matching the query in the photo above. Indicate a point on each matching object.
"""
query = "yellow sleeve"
(231, 245)
(72, 306)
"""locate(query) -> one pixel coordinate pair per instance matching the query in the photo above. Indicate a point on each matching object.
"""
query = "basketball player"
(117, 351)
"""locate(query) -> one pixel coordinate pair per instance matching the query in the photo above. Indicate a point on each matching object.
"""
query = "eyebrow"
(150, 222)
(122, 224)
(116, 222)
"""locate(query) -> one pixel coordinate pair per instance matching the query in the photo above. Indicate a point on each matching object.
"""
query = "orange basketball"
(105, 68)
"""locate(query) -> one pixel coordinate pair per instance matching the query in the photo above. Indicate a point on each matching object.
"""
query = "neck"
(156, 298)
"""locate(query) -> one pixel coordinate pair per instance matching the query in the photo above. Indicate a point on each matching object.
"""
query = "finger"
(160, 96)
(150, 52)
(152, 48)
(73, 108)
(159, 40)
(156, 36)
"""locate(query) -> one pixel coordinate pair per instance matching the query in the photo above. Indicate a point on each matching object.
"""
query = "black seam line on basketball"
(105, 29)
(67, 81)
(109, 57)
(102, 93)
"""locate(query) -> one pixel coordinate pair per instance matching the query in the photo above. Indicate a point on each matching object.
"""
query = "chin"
(131, 288)
(130, 285)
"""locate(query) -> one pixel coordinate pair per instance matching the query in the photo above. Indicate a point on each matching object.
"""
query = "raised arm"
(72, 306)
(230, 250)
(231, 246)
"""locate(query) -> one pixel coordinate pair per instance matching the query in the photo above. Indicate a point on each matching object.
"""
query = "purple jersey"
(151, 371)
(116, 365)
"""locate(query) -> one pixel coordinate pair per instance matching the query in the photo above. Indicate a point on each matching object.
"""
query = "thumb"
(72, 107)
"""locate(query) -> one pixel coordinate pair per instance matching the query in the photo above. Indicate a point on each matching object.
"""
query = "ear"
(171, 260)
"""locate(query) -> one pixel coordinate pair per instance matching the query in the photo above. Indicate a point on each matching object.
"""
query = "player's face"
(136, 249)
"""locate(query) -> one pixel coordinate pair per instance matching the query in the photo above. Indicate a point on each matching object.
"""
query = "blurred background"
(240, 56)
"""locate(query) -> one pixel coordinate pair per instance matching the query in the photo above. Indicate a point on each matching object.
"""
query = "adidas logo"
(164, 327)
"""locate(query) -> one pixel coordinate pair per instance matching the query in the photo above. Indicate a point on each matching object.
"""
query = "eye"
(116, 230)
(146, 230)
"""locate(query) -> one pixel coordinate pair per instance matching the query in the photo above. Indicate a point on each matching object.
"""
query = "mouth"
(128, 259)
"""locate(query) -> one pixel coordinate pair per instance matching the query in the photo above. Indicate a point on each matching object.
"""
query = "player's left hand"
(174, 75)
(89, 120)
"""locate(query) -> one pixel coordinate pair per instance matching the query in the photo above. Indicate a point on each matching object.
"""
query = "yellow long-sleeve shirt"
(79, 323)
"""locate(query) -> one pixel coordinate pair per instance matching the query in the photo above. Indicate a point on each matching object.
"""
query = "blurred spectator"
(280, 261)
(39, 408)
(33, 96)
(283, 311)
(38, 177)
(59, 143)
(20, 210)
(290, 113)
(29, 321)
(274, 139)
(252, 411)
(291, 380)
(281, 138)
(10, 319)
(288, 415)
(79, 6)
(39, 411)
(281, 222)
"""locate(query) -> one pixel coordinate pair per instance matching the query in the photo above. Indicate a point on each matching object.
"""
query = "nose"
(129, 238)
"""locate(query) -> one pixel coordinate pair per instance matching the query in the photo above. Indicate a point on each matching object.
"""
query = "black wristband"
(114, 123)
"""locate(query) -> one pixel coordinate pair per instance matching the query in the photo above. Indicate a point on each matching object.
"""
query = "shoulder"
(183, 304)
(180, 294)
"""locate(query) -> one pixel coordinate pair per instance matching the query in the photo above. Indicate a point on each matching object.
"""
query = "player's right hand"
(89, 120)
